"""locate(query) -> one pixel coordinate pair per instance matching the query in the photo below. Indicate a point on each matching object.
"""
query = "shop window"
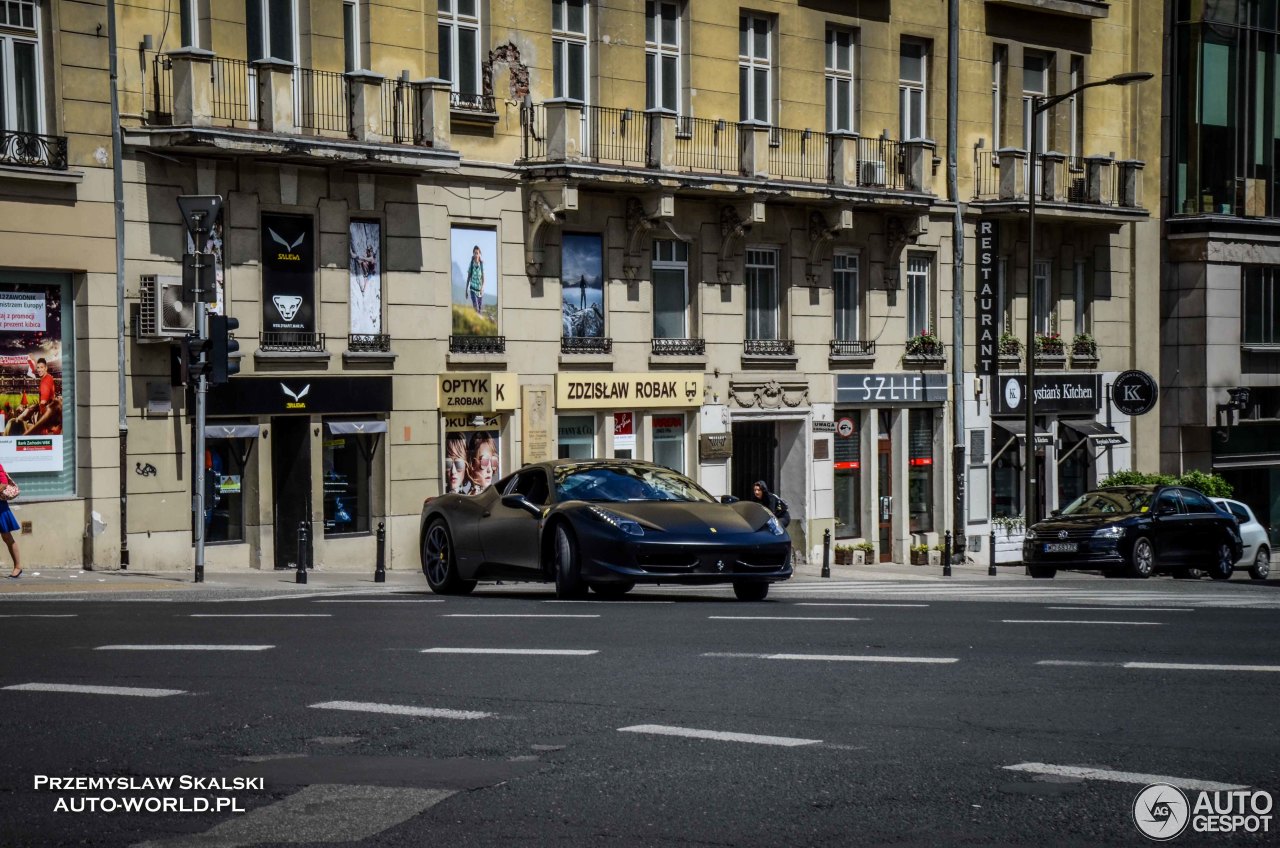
(848, 470)
(225, 462)
(349, 447)
(1007, 475)
(624, 435)
(577, 436)
(1073, 471)
(668, 441)
(920, 469)
(472, 456)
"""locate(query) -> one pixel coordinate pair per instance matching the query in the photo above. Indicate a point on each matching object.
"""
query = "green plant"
(919, 549)
(1084, 345)
(1208, 484)
(865, 547)
(926, 343)
(844, 549)
(1010, 524)
(1010, 345)
(1049, 343)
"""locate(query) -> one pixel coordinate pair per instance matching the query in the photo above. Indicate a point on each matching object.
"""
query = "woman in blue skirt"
(8, 526)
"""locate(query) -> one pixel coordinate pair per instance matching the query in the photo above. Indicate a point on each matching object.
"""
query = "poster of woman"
(31, 400)
(473, 276)
(582, 286)
(366, 277)
(471, 456)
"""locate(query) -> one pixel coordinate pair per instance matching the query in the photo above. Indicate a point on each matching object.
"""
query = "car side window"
(1238, 511)
(1196, 502)
(1168, 503)
(502, 486)
(532, 484)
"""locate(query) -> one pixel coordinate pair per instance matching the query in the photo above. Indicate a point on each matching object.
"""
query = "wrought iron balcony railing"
(465, 101)
(325, 101)
(586, 344)
(769, 347)
(369, 343)
(477, 344)
(33, 150)
(292, 342)
(679, 347)
(850, 348)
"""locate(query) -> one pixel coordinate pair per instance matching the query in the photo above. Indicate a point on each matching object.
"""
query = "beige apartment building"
(479, 233)
(59, 383)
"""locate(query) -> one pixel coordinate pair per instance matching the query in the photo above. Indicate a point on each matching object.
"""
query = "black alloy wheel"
(1142, 561)
(1223, 564)
(439, 564)
(1261, 569)
(569, 583)
(748, 590)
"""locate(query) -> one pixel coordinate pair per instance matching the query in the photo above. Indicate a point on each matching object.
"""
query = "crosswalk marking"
(718, 735)
(397, 709)
(1123, 776)
(78, 689)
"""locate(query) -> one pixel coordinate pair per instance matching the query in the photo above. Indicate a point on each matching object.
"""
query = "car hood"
(693, 517)
(1082, 522)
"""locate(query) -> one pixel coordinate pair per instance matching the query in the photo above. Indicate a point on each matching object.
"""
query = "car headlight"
(1108, 533)
(775, 528)
(626, 525)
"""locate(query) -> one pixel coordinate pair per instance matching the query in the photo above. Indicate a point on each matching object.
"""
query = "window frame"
(1028, 95)
(914, 274)
(752, 64)
(999, 82)
(907, 87)
(9, 95)
(563, 40)
(1077, 112)
(848, 327)
(672, 264)
(656, 49)
(1043, 282)
(264, 49)
(189, 23)
(447, 17)
(834, 76)
(353, 37)
(1266, 279)
(755, 315)
(1083, 297)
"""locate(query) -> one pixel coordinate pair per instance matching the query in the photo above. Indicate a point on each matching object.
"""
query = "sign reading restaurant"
(988, 310)
(653, 390)
(478, 392)
(891, 388)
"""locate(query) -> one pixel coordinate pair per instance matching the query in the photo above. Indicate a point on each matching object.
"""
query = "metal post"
(1110, 463)
(826, 553)
(1033, 187)
(946, 554)
(301, 576)
(959, 470)
(202, 396)
(380, 570)
(991, 568)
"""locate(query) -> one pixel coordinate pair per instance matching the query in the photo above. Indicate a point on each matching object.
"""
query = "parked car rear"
(1253, 536)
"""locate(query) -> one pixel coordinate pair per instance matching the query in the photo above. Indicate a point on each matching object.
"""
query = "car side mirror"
(520, 502)
(1056, 512)
(728, 499)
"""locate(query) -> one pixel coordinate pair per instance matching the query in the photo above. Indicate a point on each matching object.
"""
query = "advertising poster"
(366, 278)
(473, 277)
(31, 400)
(471, 455)
(213, 247)
(582, 286)
(288, 275)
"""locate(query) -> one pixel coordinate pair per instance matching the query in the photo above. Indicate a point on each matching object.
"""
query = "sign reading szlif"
(988, 312)
(1134, 392)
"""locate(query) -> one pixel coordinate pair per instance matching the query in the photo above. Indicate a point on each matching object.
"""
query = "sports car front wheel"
(750, 591)
(569, 583)
(439, 563)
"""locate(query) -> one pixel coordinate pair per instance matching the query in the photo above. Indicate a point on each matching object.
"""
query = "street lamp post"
(1040, 104)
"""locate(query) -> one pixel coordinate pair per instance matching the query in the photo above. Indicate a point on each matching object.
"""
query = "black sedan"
(1135, 530)
(601, 524)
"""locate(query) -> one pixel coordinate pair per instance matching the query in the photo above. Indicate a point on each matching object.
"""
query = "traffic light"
(193, 354)
(222, 347)
(179, 365)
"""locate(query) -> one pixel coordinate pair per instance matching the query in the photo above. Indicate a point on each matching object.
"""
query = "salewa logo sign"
(297, 402)
(287, 305)
(290, 249)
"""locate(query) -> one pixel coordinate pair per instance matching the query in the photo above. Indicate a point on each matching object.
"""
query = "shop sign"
(471, 424)
(1054, 393)
(882, 389)
(477, 392)
(715, 446)
(632, 391)
(300, 395)
(824, 426)
(288, 274)
(535, 423)
(624, 431)
(668, 427)
(987, 314)
(1135, 392)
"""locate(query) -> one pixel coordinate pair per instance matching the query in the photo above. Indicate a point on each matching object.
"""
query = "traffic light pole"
(202, 395)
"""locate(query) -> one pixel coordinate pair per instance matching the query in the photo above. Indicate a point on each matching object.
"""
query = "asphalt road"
(831, 714)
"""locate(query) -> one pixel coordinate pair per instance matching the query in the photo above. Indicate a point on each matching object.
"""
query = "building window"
(919, 294)
(762, 294)
(347, 468)
(21, 83)
(569, 48)
(1035, 83)
(1044, 298)
(577, 436)
(1083, 297)
(662, 56)
(670, 289)
(224, 481)
(1260, 310)
(841, 109)
(352, 47)
(999, 69)
(1077, 109)
(272, 27)
(668, 441)
(755, 68)
(920, 469)
(1005, 292)
(189, 21)
(848, 480)
(844, 272)
(913, 61)
(458, 25)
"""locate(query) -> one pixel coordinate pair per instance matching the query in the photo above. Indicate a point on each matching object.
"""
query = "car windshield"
(1110, 502)
(619, 483)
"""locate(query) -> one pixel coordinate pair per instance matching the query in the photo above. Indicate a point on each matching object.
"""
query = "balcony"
(600, 139)
(1063, 184)
(852, 352)
(478, 344)
(200, 102)
(586, 344)
(32, 150)
(678, 347)
(292, 342)
(925, 352)
(369, 343)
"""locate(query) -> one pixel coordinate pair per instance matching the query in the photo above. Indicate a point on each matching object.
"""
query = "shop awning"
(342, 428)
(1098, 434)
(231, 431)
(1018, 428)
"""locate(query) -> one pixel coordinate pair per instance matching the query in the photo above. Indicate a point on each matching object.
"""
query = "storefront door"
(884, 514)
(291, 483)
(755, 451)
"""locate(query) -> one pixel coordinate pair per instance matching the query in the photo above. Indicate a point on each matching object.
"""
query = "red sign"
(845, 466)
(624, 424)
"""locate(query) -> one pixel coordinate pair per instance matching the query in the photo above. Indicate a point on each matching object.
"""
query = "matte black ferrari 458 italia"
(601, 524)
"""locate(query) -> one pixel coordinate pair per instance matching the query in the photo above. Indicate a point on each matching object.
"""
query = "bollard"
(991, 569)
(946, 554)
(380, 570)
(826, 553)
(301, 576)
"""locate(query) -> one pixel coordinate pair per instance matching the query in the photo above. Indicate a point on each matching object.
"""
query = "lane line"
(1125, 609)
(1123, 776)
(39, 615)
(515, 615)
(854, 604)
(779, 618)
(610, 603)
(261, 615)
(1199, 667)
(719, 735)
(184, 647)
(396, 709)
(1082, 663)
(838, 658)
(523, 652)
(1078, 621)
(95, 690)
(376, 601)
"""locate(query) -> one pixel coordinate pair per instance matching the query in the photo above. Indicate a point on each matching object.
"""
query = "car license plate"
(1060, 547)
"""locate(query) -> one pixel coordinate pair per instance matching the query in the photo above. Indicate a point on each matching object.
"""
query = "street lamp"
(1040, 104)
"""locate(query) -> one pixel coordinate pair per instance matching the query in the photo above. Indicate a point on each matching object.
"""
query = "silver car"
(1257, 543)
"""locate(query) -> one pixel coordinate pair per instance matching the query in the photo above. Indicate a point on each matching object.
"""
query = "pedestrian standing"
(777, 506)
(8, 523)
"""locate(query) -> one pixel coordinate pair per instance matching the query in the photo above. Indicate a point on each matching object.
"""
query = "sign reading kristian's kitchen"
(628, 391)
(1054, 393)
(288, 274)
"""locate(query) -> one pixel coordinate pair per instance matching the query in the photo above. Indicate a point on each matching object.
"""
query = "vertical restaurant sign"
(288, 274)
(31, 372)
(988, 313)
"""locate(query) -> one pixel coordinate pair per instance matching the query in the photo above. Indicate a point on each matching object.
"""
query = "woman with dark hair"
(475, 280)
(482, 452)
(455, 462)
(777, 506)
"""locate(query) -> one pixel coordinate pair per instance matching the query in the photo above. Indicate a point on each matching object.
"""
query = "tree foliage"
(1211, 485)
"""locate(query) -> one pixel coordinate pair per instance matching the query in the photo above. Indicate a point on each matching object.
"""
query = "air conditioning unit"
(871, 172)
(163, 315)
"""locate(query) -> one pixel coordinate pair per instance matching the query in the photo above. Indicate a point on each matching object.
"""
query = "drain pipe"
(117, 169)
(959, 514)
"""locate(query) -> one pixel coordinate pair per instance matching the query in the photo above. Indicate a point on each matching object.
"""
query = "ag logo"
(1012, 394)
(1161, 812)
(287, 305)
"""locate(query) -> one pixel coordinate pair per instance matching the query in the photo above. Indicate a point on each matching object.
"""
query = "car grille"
(666, 561)
(734, 559)
(1072, 535)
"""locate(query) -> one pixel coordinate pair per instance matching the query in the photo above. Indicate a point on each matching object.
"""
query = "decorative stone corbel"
(899, 231)
(769, 395)
(541, 215)
(820, 235)
(641, 222)
(733, 228)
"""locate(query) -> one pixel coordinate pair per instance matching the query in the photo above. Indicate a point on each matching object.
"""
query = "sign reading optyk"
(988, 312)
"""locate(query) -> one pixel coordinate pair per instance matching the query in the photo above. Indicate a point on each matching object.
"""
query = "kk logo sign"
(1134, 392)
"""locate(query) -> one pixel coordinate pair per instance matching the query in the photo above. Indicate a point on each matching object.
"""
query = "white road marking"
(376, 601)
(524, 652)
(36, 615)
(1085, 663)
(1123, 776)
(719, 735)
(1077, 621)
(1200, 667)
(610, 603)
(840, 658)
(95, 690)
(184, 647)
(515, 615)
(779, 618)
(395, 709)
(1124, 609)
(261, 615)
(847, 604)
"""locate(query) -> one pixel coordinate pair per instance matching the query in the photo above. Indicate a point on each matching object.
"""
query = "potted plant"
(1010, 346)
(866, 551)
(919, 554)
(844, 554)
(1050, 345)
(935, 555)
(1084, 346)
(925, 345)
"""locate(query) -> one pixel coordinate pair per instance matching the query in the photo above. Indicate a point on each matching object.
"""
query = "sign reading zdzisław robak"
(288, 274)
(468, 392)
(1054, 393)
(879, 389)
(1134, 392)
(656, 389)
(987, 315)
